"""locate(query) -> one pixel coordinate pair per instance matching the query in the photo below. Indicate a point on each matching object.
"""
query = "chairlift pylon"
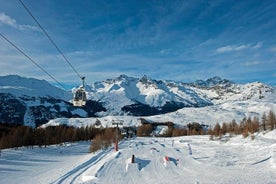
(80, 95)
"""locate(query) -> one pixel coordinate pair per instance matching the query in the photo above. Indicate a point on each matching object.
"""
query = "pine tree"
(271, 120)
(255, 124)
(144, 130)
(242, 125)
(234, 127)
(217, 130)
(248, 125)
(224, 129)
(264, 119)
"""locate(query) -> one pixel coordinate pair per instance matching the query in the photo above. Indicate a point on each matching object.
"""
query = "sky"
(163, 39)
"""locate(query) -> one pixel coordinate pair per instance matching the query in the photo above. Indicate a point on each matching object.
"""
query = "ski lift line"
(51, 40)
(22, 52)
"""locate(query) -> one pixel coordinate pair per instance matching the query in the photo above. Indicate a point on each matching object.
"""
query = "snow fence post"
(116, 145)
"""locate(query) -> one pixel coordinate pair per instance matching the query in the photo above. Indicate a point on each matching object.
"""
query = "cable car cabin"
(79, 98)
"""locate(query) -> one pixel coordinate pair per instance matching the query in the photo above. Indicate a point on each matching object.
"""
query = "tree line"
(17, 136)
(194, 128)
(246, 127)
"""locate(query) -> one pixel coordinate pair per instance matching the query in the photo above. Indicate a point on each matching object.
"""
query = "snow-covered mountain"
(212, 82)
(22, 86)
(34, 102)
(145, 96)
(128, 95)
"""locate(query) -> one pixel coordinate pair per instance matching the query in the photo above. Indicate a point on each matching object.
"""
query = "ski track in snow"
(72, 175)
(192, 159)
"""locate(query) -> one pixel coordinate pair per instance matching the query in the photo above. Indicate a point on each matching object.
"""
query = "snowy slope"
(209, 115)
(254, 91)
(192, 159)
(22, 86)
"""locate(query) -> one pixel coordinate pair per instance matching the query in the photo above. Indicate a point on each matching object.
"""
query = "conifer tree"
(217, 130)
(271, 120)
(255, 124)
(264, 119)
(224, 129)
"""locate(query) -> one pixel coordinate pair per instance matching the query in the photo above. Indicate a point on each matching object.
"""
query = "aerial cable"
(22, 52)
(59, 50)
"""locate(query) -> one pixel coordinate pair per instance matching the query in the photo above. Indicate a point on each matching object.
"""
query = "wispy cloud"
(165, 52)
(258, 45)
(234, 48)
(251, 63)
(230, 48)
(7, 20)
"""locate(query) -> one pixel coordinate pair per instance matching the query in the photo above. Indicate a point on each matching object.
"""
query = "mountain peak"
(212, 82)
(145, 79)
(123, 76)
(215, 78)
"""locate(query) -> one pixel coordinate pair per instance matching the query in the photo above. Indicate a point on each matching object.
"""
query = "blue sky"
(172, 40)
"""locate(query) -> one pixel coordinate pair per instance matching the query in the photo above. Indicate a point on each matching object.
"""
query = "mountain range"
(34, 102)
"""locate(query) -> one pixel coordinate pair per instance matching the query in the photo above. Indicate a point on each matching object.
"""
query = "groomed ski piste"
(189, 159)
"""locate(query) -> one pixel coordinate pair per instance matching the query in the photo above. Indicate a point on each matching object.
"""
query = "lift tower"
(117, 123)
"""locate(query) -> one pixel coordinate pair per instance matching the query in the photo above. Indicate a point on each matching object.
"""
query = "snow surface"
(192, 159)
(209, 115)
(22, 86)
